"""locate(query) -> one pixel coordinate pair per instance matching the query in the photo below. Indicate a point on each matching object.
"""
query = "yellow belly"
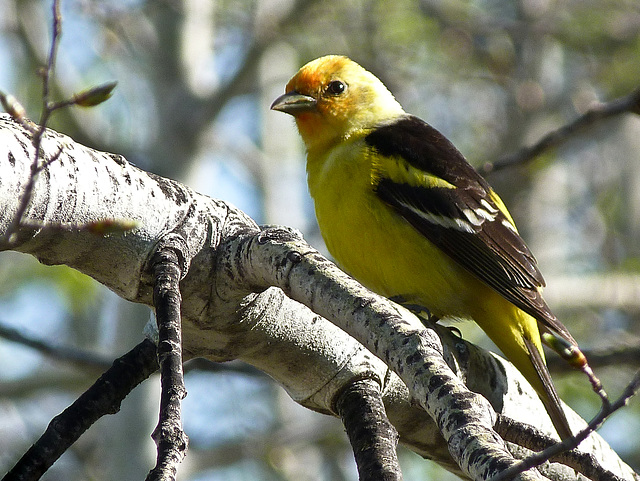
(376, 246)
(380, 249)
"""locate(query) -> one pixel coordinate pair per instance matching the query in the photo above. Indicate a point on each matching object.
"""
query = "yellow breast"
(376, 246)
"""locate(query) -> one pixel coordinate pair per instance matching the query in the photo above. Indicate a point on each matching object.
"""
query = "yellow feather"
(399, 170)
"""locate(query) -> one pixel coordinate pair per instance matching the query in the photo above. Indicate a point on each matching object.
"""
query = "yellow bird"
(403, 212)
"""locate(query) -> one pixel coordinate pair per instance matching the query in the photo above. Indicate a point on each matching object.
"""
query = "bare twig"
(87, 98)
(169, 436)
(90, 360)
(529, 437)
(372, 437)
(616, 355)
(38, 131)
(48, 73)
(570, 443)
(627, 104)
(104, 397)
(72, 355)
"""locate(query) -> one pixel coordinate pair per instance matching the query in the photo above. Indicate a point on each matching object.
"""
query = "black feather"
(490, 250)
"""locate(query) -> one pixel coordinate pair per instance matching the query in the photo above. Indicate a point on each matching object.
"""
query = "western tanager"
(403, 212)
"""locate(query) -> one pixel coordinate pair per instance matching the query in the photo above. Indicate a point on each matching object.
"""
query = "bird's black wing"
(463, 217)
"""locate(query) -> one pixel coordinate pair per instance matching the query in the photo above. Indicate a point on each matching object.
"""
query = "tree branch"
(572, 442)
(229, 312)
(625, 353)
(373, 438)
(78, 357)
(104, 397)
(169, 436)
(536, 441)
(627, 104)
(389, 331)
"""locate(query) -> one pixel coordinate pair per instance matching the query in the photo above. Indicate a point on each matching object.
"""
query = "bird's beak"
(294, 103)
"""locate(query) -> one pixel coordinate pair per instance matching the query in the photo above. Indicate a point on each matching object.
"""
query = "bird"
(402, 211)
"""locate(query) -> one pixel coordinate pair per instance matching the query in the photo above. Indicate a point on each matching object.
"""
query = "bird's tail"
(517, 335)
(520, 342)
(547, 391)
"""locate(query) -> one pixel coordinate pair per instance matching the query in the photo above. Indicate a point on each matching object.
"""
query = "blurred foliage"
(78, 291)
(492, 75)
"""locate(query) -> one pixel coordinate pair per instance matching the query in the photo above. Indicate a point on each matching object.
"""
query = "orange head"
(332, 98)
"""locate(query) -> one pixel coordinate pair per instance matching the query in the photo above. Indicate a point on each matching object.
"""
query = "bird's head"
(332, 98)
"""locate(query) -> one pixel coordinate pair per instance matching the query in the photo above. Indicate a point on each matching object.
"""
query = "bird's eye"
(336, 87)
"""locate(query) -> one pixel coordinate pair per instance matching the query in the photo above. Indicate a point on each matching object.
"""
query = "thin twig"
(570, 443)
(38, 132)
(614, 355)
(64, 353)
(103, 397)
(87, 98)
(169, 436)
(532, 438)
(371, 434)
(627, 104)
(48, 73)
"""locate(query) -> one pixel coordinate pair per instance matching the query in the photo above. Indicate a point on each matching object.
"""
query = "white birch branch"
(231, 312)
